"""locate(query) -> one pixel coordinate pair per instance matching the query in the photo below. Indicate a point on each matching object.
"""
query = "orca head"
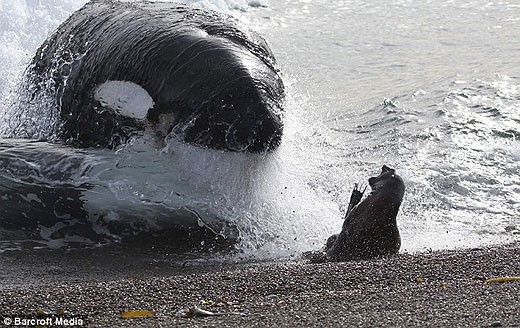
(206, 90)
(222, 96)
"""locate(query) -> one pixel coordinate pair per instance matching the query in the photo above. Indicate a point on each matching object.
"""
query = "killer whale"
(54, 195)
(116, 70)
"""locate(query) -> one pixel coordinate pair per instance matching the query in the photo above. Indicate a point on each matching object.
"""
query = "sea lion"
(116, 69)
(370, 227)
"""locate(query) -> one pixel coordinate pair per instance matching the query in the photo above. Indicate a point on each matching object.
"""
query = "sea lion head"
(388, 185)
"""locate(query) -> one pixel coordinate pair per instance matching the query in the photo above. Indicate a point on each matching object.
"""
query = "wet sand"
(437, 289)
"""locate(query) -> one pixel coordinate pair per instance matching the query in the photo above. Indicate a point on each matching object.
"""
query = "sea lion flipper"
(355, 198)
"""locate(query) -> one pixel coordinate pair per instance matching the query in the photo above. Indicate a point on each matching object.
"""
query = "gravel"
(436, 289)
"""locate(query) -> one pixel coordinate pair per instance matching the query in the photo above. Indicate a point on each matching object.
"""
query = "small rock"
(42, 313)
(496, 324)
(315, 257)
(272, 298)
(195, 312)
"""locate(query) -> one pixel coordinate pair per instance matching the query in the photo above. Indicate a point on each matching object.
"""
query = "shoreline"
(435, 289)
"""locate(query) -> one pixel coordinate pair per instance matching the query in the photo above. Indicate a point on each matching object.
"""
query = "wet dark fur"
(370, 227)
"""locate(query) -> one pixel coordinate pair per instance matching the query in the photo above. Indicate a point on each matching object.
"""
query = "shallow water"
(432, 90)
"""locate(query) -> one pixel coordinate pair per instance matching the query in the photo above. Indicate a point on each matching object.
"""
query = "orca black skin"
(370, 227)
(213, 82)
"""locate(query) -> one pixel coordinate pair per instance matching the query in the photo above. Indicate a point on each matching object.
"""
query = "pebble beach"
(455, 288)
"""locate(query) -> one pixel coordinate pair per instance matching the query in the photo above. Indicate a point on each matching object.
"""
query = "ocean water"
(431, 89)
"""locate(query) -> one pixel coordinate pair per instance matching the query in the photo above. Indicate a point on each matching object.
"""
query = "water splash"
(455, 143)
